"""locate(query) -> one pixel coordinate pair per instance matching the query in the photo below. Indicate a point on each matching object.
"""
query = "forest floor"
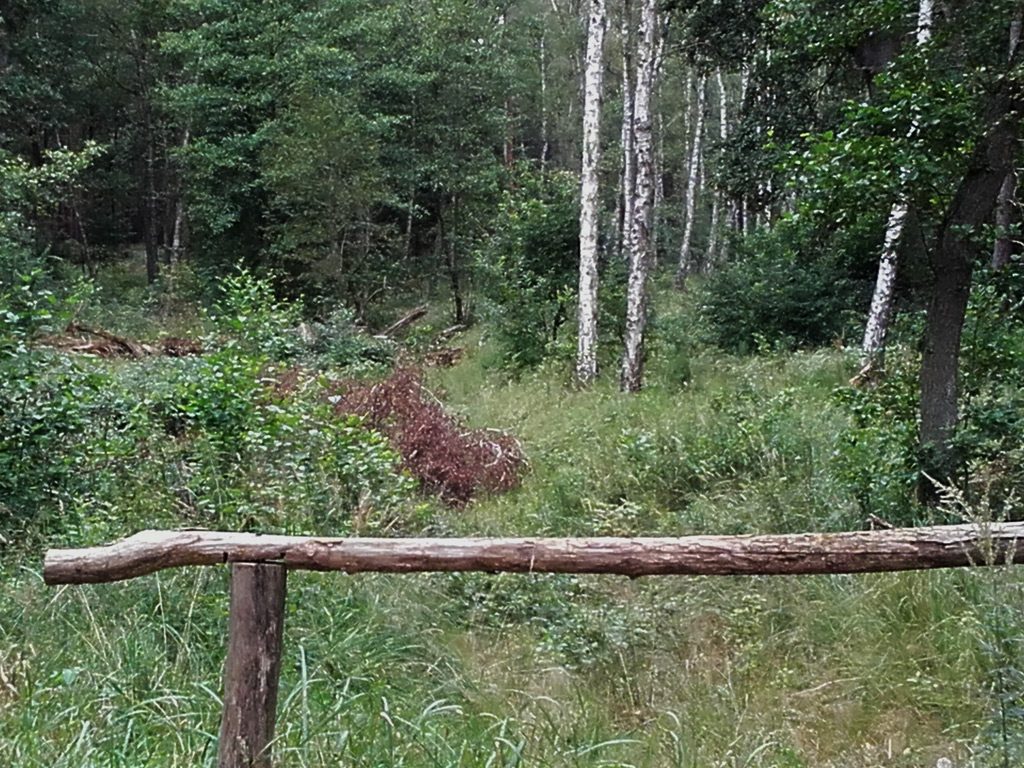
(513, 670)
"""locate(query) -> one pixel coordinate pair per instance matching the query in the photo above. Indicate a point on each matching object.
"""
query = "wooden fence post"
(253, 665)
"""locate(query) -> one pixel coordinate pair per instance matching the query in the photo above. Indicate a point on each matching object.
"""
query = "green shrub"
(92, 449)
(528, 269)
(252, 317)
(778, 295)
(992, 418)
(337, 342)
(876, 458)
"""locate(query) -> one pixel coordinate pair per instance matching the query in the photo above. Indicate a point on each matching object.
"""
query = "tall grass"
(477, 670)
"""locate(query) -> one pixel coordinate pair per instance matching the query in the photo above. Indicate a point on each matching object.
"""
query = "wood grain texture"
(898, 549)
(253, 666)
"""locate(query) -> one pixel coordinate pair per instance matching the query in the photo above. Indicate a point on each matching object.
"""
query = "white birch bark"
(586, 353)
(877, 327)
(739, 207)
(714, 241)
(640, 222)
(659, 153)
(178, 228)
(690, 204)
(627, 191)
(545, 143)
(1003, 248)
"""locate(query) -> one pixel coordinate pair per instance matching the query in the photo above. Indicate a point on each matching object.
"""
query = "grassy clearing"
(476, 670)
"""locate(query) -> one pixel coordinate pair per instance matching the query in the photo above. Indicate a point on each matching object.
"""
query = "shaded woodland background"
(312, 266)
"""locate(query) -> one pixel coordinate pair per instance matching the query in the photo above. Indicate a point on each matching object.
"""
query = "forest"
(473, 268)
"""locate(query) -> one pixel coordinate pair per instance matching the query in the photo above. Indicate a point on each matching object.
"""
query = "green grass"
(511, 670)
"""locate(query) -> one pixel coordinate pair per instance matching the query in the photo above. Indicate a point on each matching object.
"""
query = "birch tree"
(873, 345)
(586, 356)
(627, 179)
(723, 136)
(690, 200)
(642, 203)
(545, 142)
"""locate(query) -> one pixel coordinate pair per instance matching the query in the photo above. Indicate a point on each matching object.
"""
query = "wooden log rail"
(898, 549)
(259, 567)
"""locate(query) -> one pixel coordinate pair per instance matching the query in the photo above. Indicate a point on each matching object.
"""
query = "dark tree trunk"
(446, 253)
(953, 264)
(455, 278)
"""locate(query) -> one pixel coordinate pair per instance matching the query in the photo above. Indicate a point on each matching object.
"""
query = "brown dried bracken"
(454, 463)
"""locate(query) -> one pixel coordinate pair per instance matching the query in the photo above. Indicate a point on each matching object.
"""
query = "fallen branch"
(405, 321)
(807, 553)
(133, 348)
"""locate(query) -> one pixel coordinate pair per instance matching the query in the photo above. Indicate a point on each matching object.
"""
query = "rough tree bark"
(1005, 208)
(586, 353)
(880, 314)
(642, 204)
(690, 201)
(952, 261)
(627, 178)
(846, 552)
(253, 666)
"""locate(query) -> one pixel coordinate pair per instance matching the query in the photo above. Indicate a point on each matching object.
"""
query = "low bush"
(90, 447)
(876, 457)
(776, 295)
(337, 342)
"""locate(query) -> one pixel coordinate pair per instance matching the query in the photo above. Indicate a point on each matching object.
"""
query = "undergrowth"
(476, 669)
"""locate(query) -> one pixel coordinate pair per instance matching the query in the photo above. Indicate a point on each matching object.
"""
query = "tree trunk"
(545, 147)
(178, 228)
(952, 264)
(659, 155)
(409, 215)
(446, 253)
(1005, 208)
(627, 191)
(455, 280)
(873, 345)
(714, 239)
(586, 357)
(690, 205)
(1003, 248)
(880, 314)
(151, 204)
(509, 145)
(642, 203)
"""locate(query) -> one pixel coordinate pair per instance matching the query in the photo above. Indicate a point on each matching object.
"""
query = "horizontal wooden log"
(899, 549)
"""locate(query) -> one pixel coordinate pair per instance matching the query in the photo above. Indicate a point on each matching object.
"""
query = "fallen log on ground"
(79, 339)
(898, 549)
(132, 348)
(406, 320)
